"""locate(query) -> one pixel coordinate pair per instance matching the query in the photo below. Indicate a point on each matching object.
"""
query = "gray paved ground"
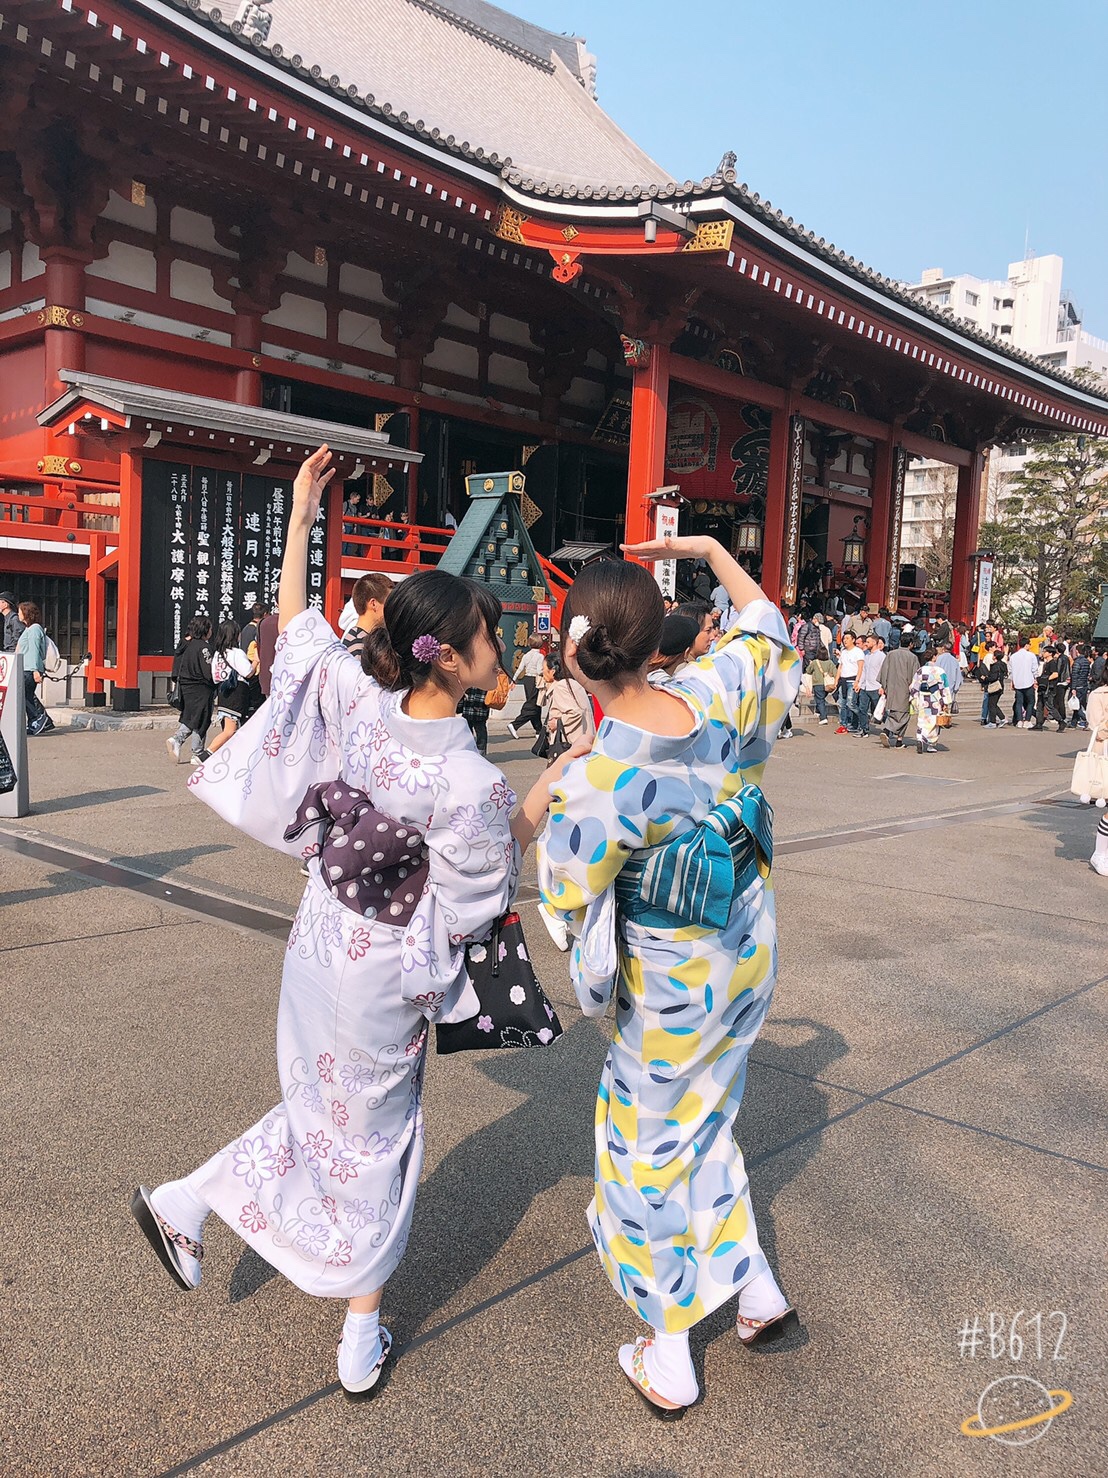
(924, 1122)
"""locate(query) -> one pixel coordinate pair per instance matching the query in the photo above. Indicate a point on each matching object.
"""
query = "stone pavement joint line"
(274, 924)
(210, 906)
(239, 1438)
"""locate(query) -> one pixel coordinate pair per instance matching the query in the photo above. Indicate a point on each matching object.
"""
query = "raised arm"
(307, 494)
(741, 588)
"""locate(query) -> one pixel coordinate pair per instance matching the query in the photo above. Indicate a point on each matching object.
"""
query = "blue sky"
(941, 135)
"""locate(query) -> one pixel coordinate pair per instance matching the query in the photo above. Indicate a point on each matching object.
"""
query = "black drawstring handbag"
(551, 747)
(514, 1009)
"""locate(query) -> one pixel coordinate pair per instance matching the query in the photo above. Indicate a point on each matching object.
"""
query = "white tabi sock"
(361, 1346)
(178, 1204)
(669, 1368)
(1100, 848)
(761, 1298)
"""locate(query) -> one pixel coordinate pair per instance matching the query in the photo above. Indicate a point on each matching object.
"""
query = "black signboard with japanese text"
(212, 545)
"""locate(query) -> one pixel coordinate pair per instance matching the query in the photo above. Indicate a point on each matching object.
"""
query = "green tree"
(1050, 535)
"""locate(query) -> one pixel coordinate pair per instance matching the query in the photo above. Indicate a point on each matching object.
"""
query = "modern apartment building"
(1030, 310)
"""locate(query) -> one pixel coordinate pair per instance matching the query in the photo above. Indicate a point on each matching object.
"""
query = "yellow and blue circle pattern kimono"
(671, 1217)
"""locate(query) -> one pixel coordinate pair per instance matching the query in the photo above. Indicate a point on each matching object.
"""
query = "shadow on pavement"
(1072, 825)
(471, 1204)
(94, 798)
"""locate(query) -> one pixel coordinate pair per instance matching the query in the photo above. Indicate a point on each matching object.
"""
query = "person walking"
(851, 656)
(931, 698)
(474, 709)
(192, 672)
(323, 1186)
(529, 673)
(949, 663)
(995, 673)
(12, 627)
(1080, 671)
(868, 683)
(31, 646)
(231, 672)
(1047, 688)
(1023, 668)
(565, 702)
(897, 671)
(662, 867)
(825, 680)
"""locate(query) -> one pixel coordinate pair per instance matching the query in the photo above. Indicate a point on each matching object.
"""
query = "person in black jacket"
(192, 674)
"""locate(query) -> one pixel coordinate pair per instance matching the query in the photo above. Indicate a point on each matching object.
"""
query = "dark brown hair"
(370, 587)
(624, 609)
(29, 613)
(431, 603)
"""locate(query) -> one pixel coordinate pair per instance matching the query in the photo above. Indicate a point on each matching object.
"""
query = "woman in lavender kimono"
(657, 857)
(412, 852)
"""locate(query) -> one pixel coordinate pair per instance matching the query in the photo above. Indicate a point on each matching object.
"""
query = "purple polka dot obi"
(372, 863)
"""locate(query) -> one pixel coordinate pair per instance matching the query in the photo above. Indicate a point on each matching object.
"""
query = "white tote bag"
(1090, 771)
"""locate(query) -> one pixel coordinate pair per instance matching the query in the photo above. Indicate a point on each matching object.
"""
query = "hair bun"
(599, 657)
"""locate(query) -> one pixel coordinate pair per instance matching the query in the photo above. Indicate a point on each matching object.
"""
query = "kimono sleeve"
(473, 865)
(752, 679)
(258, 778)
(580, 854)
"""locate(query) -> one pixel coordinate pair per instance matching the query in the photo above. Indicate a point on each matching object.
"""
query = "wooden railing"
(31, 515)
(380, 544)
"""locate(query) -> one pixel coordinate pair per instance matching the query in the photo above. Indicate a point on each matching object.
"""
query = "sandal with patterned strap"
(166, 1241)
(631, 1363)
(362, 1390)
(764, 1331)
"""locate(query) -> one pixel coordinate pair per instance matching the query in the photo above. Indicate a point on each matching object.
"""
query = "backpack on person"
(224, 676)
(808, 640)
(52, 665)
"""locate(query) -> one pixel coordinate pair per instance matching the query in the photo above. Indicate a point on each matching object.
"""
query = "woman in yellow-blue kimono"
(657, 856)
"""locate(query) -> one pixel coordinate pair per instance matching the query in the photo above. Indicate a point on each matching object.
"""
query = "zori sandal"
(764, 1331)
(166, 1241)
(631, 1362)
(362, 1390)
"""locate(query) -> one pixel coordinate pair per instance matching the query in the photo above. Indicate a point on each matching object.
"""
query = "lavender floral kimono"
(323, 1186)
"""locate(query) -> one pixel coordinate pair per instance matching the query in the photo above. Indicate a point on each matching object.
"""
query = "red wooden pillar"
(94, 680)
(646, 467)
(784, 502)
(332, 554)
(64, 290)
(967, 520)
(125, 689)
(246, 333)
(877, 544)
(412, 472)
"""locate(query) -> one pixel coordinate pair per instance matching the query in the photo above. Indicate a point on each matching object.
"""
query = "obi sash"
(696, 877)
(372, 863)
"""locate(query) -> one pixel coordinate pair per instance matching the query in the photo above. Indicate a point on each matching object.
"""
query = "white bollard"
(13, 728)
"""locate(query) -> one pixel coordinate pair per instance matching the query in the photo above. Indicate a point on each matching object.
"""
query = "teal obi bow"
(697, 876)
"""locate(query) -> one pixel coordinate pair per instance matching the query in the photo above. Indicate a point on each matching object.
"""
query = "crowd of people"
(871, 669)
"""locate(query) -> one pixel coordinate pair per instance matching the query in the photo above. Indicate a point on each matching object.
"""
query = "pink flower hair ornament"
(426, 648)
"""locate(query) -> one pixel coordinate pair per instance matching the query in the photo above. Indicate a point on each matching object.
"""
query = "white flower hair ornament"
(578, 627)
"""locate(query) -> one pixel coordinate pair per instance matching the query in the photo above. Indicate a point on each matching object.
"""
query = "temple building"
(408, 227)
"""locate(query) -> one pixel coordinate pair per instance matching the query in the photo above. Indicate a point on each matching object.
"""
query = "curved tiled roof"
(499, 55)
(462, 77)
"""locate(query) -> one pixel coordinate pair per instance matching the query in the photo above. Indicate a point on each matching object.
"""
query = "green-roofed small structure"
(492, 547)
(1100, 630)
